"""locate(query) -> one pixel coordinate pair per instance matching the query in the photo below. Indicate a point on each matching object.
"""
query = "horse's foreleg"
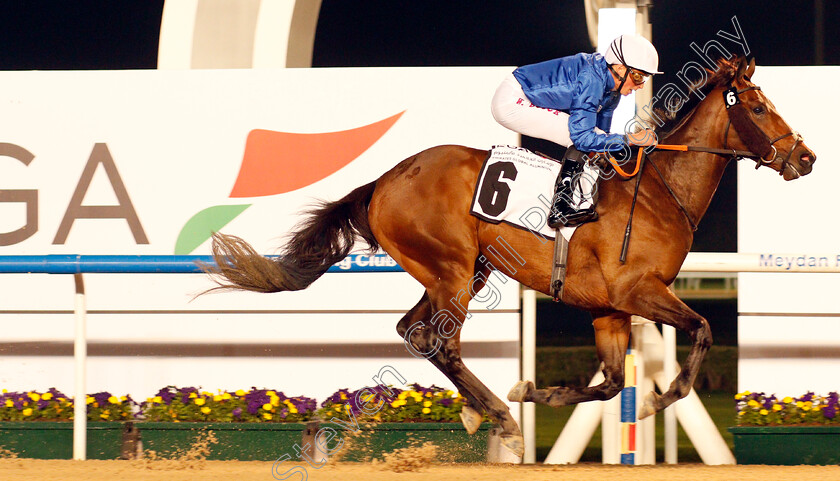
(651, 299)
(612, 333)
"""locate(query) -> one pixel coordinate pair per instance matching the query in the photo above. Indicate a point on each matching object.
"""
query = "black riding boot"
(563, 210)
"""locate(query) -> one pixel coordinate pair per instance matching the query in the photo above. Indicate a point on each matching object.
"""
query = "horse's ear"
(750, 69)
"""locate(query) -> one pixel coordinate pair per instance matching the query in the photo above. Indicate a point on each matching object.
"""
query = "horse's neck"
(694, 176)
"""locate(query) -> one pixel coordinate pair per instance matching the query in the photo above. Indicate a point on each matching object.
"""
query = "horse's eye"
(759, 110)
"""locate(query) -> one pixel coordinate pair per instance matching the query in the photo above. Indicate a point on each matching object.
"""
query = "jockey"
(570, 101)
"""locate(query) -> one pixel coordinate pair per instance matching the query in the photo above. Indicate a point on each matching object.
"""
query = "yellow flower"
(157, 399)
(217, 397)
(27, 412)
(193, 395)
(89, 400)
(342, 396)
(206, 394)
(787, 400)
(34, 396)
(428, 393)
(427, 403)
(337, 407)
(270, 393)
(105, 414)
(47, 396)
(275, 401)
(267, 406)
(764, 412)
(777, 407)
(123, 398)
(199, 401)
(9, 403)
(426, 410)
(240, 393)
(267, 416)
(806, 408)
(293, 410)
(753, 403)
(809, 404)
(741, 413)
(800, 404)
(226, 396)
(205, 410)
(399, 402)
(113, 400)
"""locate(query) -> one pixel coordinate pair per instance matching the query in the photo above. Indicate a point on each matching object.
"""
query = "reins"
(755, 139)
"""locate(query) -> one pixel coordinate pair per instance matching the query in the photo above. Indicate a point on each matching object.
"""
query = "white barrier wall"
(789, 324)
(163, 149)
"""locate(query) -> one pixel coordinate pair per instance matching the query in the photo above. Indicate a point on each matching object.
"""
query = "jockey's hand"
(642, 137)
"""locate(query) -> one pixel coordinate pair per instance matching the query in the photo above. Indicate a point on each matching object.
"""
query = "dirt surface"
(29, 469)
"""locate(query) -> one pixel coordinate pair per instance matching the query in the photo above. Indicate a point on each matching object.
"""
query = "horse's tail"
(325, 237)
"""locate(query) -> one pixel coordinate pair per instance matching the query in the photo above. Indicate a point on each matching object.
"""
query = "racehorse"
(419, 213)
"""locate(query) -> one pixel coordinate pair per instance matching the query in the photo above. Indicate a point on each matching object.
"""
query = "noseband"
(763, 148)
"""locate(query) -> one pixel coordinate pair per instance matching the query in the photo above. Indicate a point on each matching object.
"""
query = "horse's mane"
(724, 75)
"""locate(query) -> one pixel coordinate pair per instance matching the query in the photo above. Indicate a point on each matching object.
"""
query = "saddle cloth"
(515, 186)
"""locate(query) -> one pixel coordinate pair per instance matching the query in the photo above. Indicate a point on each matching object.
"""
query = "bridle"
(755, 138)
(762, 148)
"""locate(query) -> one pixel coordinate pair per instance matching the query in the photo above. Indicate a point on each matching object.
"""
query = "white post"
(611, 431)
(669, 335)
(80, 355)
(529, 371)
(578, 430)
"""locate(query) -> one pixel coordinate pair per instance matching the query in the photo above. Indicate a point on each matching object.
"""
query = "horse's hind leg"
(420, 343)
(612, 334)
(439, 341)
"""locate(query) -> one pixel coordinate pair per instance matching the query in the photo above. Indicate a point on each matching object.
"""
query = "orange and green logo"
(279, 162)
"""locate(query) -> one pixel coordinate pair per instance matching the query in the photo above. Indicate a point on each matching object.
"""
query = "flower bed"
(787, 431)
(259, 424)
(55, 406)
(172, 404)
(760, 409)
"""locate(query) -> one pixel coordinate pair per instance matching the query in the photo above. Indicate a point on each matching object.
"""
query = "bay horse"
(419, 213)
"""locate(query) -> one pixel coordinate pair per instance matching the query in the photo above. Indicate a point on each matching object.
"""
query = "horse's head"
(758, 127)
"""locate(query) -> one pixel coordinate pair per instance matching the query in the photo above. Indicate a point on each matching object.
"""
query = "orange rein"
(624, 174)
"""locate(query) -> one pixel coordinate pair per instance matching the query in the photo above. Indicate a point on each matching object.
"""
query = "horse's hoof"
(649, 406)
(514, 443)
(471, 419)
(521, 391)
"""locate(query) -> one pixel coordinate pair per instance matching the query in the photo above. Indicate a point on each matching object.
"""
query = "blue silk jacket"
(579, 85)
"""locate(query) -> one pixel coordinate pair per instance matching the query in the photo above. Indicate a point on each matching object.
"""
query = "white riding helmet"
(633, 51)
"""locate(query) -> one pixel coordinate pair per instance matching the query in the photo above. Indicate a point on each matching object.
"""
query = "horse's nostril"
(808, 158)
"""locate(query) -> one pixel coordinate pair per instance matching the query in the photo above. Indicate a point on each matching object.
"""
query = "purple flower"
(237, 412)
(43, 404)
(185, 394)
(829, 412)
(167, 394)
(56, 393)
(446, 402)
(101, 398)
(807, 397)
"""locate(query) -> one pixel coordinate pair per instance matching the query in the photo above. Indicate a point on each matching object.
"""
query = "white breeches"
(513, 110)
